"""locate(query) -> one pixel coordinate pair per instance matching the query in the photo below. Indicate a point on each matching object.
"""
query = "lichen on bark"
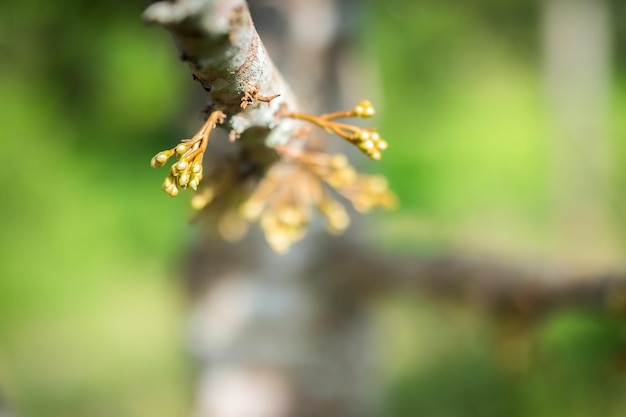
(218, 41)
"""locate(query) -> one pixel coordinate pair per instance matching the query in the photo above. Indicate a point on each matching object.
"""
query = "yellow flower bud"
(375, 155)
(161, 158)
(368, 144)
(337, 221)
(339, 161)
(269, 221)
(183, 180)
(278, 241)
(169, 181)
(378, 183)
(181, 149)
(181, 165)
(251, 209)
(291, 216)
(202, 198)
(170, 188)
(364, 109)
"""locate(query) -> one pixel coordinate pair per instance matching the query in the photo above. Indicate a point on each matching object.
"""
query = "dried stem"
(367, 140)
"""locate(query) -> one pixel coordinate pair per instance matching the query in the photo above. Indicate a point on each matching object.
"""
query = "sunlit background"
(506, 125)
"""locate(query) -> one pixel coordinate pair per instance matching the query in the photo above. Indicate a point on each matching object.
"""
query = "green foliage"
(88, 317)
(446, 362)
(465, 108)
(465, 102)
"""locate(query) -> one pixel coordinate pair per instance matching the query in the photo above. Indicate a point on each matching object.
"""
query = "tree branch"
(498, 286)
(218, 41)
(277, 178)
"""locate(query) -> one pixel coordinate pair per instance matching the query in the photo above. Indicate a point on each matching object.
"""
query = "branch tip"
(187, 172)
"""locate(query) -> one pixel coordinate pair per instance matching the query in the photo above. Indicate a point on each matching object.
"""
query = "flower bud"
(339, 161)
(170, 188)
(181, 165)
(181, 149)
(169, 181)
(183, 180)
(161, 158)
(252, 209)
(375, 155)
(202, 198)
(368, 144)
(364, 109)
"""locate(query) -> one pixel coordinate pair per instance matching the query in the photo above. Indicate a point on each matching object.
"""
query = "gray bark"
(219, 43)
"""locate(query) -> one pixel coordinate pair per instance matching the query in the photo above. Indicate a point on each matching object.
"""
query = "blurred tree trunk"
(577, 74)
(283, 335)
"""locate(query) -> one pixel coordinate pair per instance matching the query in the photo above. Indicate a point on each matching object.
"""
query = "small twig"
(188, 170)
(368, 140)
(252, 97)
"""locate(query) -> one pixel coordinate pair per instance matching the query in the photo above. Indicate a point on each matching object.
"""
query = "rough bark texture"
(219, 43)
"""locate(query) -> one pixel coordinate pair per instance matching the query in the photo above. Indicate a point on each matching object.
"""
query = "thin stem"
(203, 136)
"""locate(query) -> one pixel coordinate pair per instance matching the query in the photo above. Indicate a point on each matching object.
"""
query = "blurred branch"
(497, 286)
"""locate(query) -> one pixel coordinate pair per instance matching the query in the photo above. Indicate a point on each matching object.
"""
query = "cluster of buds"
(218, 198)
(284, 199)
(282, 204)
(368, 140)
(187, 171)
(368, 192)
(365, 192)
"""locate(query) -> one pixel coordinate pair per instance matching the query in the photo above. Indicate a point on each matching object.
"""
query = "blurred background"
(506, 126)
